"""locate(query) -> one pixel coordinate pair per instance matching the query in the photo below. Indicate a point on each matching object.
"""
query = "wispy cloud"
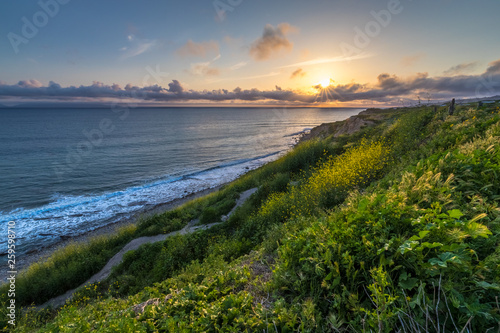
(461, 68)
(412, 59)
(260, 76)
(204, 68)
(201, 49)
(238, 65)
(232, 40)
(137, 46)
(319, 61)
(139, 49)
(298, 73)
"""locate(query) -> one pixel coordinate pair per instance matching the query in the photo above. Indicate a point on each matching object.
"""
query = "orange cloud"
(298, 74)
(198, 49)
(412, 59)
(272, 41)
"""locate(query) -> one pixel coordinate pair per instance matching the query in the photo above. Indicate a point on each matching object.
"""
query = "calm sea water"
(67, 171)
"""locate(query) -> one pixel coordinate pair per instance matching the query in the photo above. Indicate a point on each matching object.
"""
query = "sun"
(324, 83)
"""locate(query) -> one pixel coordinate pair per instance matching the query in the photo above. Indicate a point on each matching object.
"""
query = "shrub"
(209, 215)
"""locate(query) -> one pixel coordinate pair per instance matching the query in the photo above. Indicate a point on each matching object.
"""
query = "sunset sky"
(316, 53)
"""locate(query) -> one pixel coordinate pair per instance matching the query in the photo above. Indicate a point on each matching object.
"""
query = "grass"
(69, 267)
(393, 228)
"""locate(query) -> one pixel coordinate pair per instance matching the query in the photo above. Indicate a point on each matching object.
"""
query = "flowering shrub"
(330, 182)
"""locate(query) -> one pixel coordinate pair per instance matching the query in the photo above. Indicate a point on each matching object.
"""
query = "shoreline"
(44, 253)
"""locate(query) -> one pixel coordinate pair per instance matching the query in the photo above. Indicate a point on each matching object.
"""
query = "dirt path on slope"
(135, 244)
(41, 254)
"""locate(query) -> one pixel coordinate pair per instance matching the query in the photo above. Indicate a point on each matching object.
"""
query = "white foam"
(74, 215)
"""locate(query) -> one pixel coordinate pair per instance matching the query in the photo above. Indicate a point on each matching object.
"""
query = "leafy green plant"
(393, 228)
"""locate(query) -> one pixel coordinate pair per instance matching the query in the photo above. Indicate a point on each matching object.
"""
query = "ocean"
(67, 171)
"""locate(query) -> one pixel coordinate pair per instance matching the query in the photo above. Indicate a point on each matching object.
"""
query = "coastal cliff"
(351, 125)
(387, 220)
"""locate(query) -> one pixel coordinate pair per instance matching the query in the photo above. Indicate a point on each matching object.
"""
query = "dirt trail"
(135, 244)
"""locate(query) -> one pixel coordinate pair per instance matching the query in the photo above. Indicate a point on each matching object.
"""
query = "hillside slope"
(393, 227)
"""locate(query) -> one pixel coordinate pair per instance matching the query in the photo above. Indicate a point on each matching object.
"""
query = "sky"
(242, 52)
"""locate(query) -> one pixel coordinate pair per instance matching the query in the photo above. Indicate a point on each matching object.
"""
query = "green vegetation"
(393, 228)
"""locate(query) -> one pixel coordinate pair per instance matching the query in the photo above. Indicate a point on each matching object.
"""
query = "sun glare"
(324, 83)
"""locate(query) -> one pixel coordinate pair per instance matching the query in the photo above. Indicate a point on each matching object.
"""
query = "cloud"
(253, 77)
(54, 86)
(298, 74)
(30, 84)
(198, 49)
(318, 61)
(412, 59)
(260, 76)
(272, 41)
(233, 40)
(460, 68)
(386, 81)
(204, 69)
(305, 54)
(175, 87)
(387, 89)
(493, 68)
(238, 65)
(137, 46)
(175, 92)
(139, 49)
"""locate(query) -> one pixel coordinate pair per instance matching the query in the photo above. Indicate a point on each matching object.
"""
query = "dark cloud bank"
(388, 89)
